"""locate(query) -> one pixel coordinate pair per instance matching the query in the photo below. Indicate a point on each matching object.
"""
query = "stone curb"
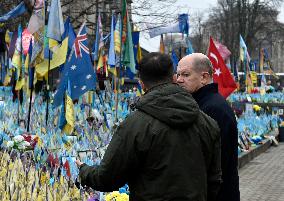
(245, 157)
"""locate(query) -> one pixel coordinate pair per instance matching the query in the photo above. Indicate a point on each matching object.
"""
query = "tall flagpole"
(47, 88)
(20, 77)
(2, 64)
(30, 103)
(117, 81)
(47, 79)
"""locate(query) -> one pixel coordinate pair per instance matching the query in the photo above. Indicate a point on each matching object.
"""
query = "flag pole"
(30, 106)
(116, 94)
(47, 88)
(18, 94)
(120, 66)
(47, 78)
(20, 77)
(2, 70)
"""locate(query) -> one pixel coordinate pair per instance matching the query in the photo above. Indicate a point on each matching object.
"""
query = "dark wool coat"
(214, 105)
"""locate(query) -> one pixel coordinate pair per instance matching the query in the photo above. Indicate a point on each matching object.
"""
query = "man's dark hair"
(155, 68)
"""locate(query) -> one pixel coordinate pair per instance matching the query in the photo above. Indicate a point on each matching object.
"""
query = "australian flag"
(78, 70)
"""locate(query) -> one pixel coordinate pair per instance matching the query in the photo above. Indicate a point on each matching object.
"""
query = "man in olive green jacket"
(167, 150)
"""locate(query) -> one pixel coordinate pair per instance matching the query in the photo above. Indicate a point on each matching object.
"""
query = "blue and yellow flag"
(245, 58)
(111, 52)
(69, 112)
(117, 35)
(67, 119)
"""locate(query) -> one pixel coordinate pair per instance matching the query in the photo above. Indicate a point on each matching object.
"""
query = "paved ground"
(263, 178)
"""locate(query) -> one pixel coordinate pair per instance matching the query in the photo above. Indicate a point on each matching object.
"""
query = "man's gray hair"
(203, 64)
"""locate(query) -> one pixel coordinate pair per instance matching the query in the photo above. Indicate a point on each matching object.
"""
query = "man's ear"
(206, 79)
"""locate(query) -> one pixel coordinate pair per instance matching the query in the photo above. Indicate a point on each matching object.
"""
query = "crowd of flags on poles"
(41, 47)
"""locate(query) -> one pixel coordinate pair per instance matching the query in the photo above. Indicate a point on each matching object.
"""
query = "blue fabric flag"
(135, 39)
(31, 77)
(111, 53)
(242, 43)
(189, 49)
(62, 118)
(78, 69)
(55, 27)
(46, 53)
(183, 23)
(265, 54)
(3, 66)
(31, 69)
(244, 52)
(98, 42)
(13, 44)
(236, 75)
(174, 60)
(17, 11)
(69, 32)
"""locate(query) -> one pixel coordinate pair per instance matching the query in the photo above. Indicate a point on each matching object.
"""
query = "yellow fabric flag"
(52, 44)
(20, 83)
(100, 62)
(7, 79)
(90, 97)
(17, 58)
(7, 37)
(27, 61)
(69, 115)
(139, 54)
(39, 143)
(253, 77)
(112, 70)
(241, 54)
(162, 46)
(122, 81)
(117, 36)
(249, 83)
(261, 60)
(58, 58)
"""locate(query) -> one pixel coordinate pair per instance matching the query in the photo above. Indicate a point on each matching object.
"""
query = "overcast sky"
(205, 4)
(189, 6)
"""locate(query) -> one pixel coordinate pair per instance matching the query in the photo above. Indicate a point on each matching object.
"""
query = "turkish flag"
(221, 74)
